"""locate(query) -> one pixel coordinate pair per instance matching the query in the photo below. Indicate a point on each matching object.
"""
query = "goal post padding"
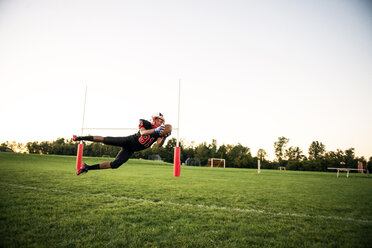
(79, 156)
(177, 161)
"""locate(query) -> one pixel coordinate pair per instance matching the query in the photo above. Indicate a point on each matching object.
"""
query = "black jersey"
(142, 142)
(135, 142)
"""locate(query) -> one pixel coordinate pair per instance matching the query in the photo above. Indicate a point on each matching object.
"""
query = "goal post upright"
(80, 148)
(85, 103)
(177, 149)
(258, 166)
(178, 117)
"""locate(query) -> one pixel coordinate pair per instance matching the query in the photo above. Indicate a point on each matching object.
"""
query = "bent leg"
(121, 158)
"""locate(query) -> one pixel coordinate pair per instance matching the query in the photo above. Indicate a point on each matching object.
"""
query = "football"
(167, 130)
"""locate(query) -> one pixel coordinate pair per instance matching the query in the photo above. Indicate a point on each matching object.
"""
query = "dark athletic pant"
(125, 152)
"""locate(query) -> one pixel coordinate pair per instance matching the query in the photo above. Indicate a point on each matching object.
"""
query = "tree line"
(237, 156)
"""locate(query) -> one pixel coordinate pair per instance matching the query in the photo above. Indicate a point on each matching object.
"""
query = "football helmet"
(157, 115)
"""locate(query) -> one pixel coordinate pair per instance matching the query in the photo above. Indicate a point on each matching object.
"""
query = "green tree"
(5, 147)
(222, 151)
(188, 152)
(350, 159)
(33, 147)
(369, 165)
(279, 148)
(45, 147)
(294, 153)
(213, 149)
(202, 153)
(316, 150)
(261, 154)
(168, 153)
(239, 156)
(340, 156)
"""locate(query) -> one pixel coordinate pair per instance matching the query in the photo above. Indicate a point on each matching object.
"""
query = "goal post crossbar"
(114, 128)
(109, 128)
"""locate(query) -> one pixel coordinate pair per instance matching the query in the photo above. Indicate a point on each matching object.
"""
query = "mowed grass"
(44, 204)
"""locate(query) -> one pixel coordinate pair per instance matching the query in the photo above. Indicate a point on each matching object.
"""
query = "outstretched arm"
(160, 141)
(158, 130)
(144, 131)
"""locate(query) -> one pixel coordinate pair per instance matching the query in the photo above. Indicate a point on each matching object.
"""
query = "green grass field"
(44, 204)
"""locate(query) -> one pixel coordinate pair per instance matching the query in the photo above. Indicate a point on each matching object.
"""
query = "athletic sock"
(93, 167)
(88, 138)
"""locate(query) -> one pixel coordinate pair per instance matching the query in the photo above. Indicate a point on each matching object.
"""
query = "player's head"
(157, 119)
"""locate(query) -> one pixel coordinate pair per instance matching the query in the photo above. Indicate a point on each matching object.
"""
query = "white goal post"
(113, 128)
(177, 150)
(216, 162)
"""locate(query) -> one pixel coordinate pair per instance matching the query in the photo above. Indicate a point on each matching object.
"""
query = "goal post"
(216, 163)
(177, 149)
(80, 149)
(258, 166)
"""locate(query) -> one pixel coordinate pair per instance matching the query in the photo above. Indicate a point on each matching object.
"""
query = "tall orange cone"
(79, 156)
(177, 162)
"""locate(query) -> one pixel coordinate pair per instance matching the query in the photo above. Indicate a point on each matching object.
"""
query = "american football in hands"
(167, 130)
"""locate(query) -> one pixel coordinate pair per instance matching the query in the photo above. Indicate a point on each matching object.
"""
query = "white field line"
(188, 205)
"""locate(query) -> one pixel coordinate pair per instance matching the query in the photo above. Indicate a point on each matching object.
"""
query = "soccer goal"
(216, 162)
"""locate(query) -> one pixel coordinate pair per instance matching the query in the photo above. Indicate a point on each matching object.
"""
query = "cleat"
(83, 169)
(75, 138)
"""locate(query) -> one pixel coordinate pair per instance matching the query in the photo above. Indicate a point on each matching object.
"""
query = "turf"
(44, 204)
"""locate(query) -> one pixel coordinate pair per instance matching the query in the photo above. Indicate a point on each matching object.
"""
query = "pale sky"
(251, 71)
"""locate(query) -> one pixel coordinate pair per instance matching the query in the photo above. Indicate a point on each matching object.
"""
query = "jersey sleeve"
(140, 124)
(144, 124)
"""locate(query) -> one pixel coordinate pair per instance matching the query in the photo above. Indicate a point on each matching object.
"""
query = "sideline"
(211, 207)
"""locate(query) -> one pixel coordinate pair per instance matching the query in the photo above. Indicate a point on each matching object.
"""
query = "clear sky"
(251, 71)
